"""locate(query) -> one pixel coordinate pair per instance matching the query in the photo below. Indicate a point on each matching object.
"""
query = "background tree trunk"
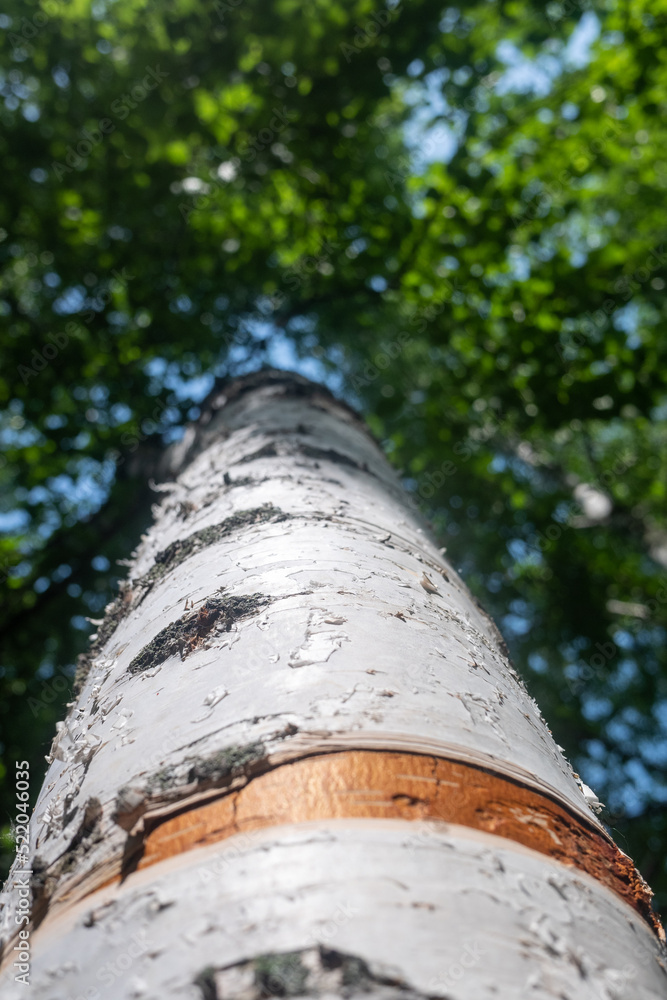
(300, 762)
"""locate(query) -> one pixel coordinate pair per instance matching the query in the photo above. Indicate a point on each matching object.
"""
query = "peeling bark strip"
(173, 788)
(359, 784)
(307, 615)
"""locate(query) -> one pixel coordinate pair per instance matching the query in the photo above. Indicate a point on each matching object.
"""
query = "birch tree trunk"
(301, 764)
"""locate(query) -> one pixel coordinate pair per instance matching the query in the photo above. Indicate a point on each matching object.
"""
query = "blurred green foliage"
(454, 216)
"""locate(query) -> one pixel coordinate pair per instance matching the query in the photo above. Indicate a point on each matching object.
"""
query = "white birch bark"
(336, 623)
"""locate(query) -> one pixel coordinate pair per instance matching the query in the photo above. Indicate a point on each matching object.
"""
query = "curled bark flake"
(114, 614)
(45, 878)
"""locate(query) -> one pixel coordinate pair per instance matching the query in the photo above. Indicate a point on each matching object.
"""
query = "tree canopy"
(454, 216)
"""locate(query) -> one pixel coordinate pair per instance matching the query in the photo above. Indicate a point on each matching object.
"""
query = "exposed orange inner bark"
(361, 783)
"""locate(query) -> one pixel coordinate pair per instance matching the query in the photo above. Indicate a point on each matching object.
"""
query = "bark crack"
(271, 450)
(180, 550)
